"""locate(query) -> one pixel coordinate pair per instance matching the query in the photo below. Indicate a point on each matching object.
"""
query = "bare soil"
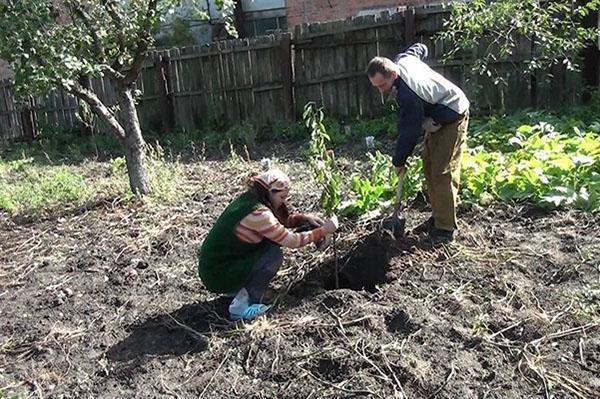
(104, 302)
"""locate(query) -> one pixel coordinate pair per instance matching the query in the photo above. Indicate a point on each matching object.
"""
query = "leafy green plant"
(322, 163)
(165, 176)
(27, 186)
(57, 48)
(375, 189)
(588, 302)
(179, 34)
(378, 127)
(6, 396)
(543, 166)
(244, 133)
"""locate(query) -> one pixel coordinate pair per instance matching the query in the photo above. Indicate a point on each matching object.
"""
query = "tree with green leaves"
(555, 30)
(60, 44)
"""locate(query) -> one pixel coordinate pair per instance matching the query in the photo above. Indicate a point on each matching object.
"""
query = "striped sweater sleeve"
(262, 223)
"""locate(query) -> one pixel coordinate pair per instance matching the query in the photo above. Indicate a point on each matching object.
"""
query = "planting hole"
(363, 268)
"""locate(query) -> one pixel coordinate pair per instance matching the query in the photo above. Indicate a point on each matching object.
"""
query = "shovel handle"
(399, 192)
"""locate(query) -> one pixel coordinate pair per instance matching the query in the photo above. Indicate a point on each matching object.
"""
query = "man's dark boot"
(438, 237)
(424, 227)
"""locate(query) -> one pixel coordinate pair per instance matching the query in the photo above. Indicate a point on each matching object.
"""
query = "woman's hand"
(314, 221)
(330, 225)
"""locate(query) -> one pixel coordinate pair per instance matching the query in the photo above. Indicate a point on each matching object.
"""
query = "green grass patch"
(166, 177)
(27, 187)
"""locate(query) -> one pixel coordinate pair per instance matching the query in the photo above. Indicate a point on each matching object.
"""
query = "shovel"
(395, 224)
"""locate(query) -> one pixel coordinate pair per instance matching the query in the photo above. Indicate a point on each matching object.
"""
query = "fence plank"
(243, 78)
(285, 60)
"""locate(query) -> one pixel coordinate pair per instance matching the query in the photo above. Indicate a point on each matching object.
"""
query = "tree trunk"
(135, 147)
(128, 132)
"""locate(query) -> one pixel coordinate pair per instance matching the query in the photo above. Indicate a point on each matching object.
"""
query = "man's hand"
(430, 126)
(400, 170)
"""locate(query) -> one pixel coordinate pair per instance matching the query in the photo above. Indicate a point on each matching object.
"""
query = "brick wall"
(307, 11)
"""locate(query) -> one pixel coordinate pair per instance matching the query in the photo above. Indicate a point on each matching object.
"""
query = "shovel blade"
(395, 225)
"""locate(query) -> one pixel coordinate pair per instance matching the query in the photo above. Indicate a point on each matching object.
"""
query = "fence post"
(286, 76)
(591, 59)
(410, 30)
(533, 81)
(28, 120)
(165, 94)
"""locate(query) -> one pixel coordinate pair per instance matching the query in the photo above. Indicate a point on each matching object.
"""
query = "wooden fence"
(232, 81)
(270, 78)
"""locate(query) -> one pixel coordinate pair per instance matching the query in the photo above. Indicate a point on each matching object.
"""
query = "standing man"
(428, 103)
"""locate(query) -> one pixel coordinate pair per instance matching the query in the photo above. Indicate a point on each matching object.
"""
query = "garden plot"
(105, 302)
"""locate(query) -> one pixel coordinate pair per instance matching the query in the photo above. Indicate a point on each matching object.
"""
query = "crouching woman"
(242, 252)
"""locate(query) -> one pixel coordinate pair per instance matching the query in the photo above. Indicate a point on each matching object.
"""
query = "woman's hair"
(261, 193)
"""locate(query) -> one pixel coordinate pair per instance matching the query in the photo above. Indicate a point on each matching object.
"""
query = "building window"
(265, 26)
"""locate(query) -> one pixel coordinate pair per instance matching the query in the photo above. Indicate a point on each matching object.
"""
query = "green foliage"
(548, 158)
(60, 45)
(479, 327)
(244, 133)
(5, 396)
(544, 166)
(379, 127)
(534, 163)
(221, 139)
(494, 29)
(375, 188)
(24, 186)
(322, 161)
(165, 176)
(227, 8)
(588, 301)
(179, 35)
(494, 132)
(28, 186)
(51, 47)
(284, 131)
(356, 130)
(64, 145)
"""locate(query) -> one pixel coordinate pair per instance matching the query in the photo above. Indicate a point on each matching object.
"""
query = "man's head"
(382, 73)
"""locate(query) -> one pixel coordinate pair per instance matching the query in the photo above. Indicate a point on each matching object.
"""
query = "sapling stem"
(323, 165)
(335, 260)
